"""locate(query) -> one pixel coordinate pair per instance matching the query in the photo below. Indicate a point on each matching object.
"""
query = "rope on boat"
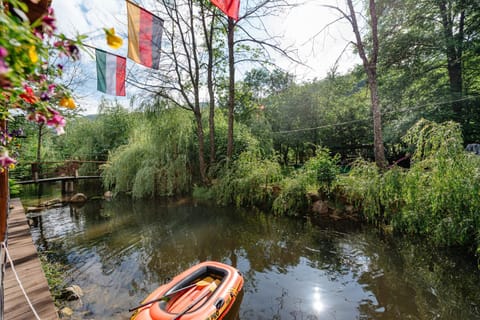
(4, 246)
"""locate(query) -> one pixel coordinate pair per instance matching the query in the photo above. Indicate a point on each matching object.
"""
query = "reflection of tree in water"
(410, 279)
(146, 243)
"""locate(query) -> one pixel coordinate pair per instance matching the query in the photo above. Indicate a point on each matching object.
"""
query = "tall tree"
(368, 52)
(430, 57)
(209, 31)
(180, 78)
(258, 47)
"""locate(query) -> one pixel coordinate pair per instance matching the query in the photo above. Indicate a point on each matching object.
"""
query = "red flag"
(229, 7)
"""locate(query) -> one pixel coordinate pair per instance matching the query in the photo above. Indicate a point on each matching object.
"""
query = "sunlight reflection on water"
(119, 251)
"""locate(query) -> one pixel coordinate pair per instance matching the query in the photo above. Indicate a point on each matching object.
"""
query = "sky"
(306, 28)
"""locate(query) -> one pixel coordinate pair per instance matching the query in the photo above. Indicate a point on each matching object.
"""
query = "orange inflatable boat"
(206, 291)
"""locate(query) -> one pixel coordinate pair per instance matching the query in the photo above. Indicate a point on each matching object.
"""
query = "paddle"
(212, 287)
(201, 283)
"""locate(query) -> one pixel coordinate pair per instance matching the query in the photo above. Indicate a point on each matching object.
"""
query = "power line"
(385, 113)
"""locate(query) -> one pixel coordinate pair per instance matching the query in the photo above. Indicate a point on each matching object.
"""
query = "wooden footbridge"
(51, 171)
(67, 172)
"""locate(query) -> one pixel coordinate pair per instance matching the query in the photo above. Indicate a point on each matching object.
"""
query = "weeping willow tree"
(157, 160)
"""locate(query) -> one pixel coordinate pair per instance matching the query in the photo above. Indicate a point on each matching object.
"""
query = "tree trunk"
(201, 147)
(370, 66)
(231, 87)
(454, 52)
(378, 147)
(211, 117)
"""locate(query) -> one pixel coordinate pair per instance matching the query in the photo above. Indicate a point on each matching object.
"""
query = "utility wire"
(385, 113)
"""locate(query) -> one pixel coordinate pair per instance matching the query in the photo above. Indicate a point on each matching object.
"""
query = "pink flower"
(57, 121)
(37, 117)
(48, 23)
(3, 52)
(68, 48)
(5, 160)
(3, 64)
(51, 88)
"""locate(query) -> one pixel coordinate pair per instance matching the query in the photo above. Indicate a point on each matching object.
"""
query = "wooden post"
(4, 194)
(3, 204)
(4, 197)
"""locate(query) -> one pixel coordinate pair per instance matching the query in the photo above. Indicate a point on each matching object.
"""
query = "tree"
(247, 40)
(368, 52)
(181, 76)
(430, 57)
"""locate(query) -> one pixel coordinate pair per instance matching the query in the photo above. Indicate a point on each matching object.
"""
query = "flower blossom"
(4, 138)
(3, 65)
(57, 121)
(32, 53)
(28, 96)
(113, 40)
(37, 117)
(68, 48)
(6, 161)
(48, 22)
(68, 103)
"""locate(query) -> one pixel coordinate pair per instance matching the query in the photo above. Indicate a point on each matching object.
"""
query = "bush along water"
(319, 174)
(438, 197)
(250, 180)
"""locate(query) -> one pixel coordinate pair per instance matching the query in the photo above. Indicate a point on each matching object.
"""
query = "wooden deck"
(28, 267)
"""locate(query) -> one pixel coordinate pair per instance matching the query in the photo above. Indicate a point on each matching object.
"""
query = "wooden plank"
(29, 270)
(66, 178)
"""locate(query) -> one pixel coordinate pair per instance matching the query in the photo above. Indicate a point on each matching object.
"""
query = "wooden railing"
(34, 172)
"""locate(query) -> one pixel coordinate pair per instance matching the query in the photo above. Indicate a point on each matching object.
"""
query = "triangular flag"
(111, 71)
(144, 36)
(229, 7)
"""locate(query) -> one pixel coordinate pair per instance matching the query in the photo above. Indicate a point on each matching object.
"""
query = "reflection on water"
(119, 251)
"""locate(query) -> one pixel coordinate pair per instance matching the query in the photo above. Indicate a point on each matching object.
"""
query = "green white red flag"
(111, 71)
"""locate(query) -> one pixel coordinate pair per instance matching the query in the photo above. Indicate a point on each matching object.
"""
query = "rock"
(51, 203)
(66, 312)
(73, 292)
(349, 208)
(320, 207)
(78, 197)
(313, 197)
(108, 194)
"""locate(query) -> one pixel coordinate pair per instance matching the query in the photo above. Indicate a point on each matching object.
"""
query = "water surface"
(119, 251)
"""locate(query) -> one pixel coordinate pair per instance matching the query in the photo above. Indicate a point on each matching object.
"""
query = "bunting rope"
(4, 246)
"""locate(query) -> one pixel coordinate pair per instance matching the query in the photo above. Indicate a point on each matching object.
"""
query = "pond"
(118, 251)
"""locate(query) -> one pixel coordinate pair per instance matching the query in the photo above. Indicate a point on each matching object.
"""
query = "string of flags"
(144, 41)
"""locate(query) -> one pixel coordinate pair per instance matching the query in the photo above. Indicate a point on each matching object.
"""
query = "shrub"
(247, 181)
(437, 197)
(322, 170)
(293, 199)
